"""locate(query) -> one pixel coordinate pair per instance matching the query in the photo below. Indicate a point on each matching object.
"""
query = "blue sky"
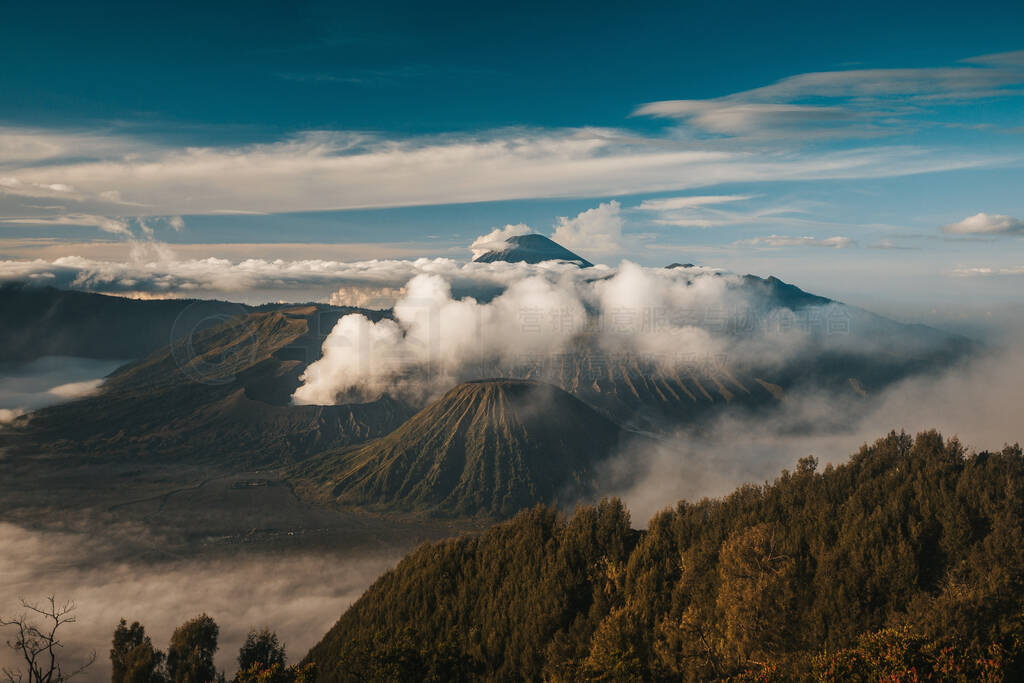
(265, 69)
(824, 143)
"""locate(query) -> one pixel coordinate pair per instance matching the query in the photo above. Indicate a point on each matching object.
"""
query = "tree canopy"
(910, 557)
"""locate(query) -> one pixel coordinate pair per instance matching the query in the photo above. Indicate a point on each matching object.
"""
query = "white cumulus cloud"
(437, 338)
(597, 230)
(986, 224)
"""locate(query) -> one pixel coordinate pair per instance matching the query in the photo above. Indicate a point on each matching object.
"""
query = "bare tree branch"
(39, 645)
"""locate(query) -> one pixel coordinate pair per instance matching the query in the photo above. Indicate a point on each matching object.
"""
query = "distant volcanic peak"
(782, 293)
(512, 401)
(505, 404)
(673, 266)
(487, 447)
(532, 248)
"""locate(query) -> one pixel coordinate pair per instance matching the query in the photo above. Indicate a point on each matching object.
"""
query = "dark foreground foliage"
(906, 563)
(189, 657)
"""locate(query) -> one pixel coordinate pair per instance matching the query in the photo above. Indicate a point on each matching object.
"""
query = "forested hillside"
(906, 562)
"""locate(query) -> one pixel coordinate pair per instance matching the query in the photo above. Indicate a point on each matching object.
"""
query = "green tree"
(755, 593)
(190, 654)
(901, 654)
(262, 659)
(756, 585)
(261, 648)
(133, 659)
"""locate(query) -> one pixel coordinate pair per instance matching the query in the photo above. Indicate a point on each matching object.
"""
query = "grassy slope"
(489, 447)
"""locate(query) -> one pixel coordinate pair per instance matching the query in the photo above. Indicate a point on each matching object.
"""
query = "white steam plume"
(437, 338)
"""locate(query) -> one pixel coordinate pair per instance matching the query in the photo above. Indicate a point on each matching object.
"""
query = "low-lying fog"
(300, 597)
(46, 381)
(978, 402)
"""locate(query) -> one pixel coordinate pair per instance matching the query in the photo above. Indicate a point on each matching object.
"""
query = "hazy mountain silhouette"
(221, 389)
(220, 394)
(43, 321)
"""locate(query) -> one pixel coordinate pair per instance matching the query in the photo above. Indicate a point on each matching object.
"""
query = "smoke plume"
(665, 316)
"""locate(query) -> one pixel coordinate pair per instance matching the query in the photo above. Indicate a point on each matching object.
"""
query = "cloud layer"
(156, 271)
(298, 596)
(153, 268)
(330, 170)
(64, 176)
(976, 402)
(47, 381)
(812, 126)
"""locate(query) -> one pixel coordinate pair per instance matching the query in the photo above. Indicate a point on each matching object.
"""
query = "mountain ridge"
(220, 396)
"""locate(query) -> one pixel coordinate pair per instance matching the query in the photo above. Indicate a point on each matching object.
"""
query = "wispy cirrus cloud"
(711, 211)
(115, 226)
(689, 202)
(844, 104)
(108, 224)
(327, 170)
(777, 241)
(1015, 58)
(887, 244)
(733, 116)
(754, 136)
(332, 170)
(15, 186)
(41, 145)
(986, 271)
